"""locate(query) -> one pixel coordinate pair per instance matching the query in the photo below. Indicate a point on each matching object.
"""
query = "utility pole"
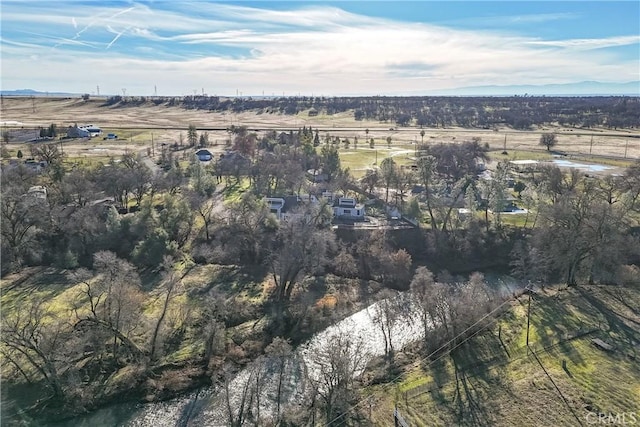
(153, 151)
(98, 90)
(528, 316)
(591, 144)
(626, 145)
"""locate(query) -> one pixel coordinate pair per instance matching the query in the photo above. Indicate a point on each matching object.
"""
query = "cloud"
(315, 49)
(588, 44)
(117, 36)
(540, 17)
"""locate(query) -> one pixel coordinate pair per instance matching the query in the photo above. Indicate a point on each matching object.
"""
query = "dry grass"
(135, 125)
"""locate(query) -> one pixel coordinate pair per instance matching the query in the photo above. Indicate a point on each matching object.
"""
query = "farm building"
(77, 132)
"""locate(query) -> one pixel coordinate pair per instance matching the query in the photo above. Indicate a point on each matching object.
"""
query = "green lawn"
(235, 190)
(363, 158)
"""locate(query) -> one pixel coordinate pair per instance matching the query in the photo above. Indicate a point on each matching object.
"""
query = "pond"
(583, 166)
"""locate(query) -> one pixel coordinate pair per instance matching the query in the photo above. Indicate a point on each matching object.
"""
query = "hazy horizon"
(323, 49)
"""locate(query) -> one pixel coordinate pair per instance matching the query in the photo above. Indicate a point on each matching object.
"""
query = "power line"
(434, 352)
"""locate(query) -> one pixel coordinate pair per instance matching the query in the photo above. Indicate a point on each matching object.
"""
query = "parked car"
(111, 136)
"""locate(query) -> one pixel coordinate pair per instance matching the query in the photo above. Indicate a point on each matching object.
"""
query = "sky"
(169, 47)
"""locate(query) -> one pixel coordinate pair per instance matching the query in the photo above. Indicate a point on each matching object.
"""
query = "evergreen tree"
(192, 135)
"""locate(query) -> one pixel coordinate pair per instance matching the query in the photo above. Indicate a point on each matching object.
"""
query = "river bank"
(207, 404)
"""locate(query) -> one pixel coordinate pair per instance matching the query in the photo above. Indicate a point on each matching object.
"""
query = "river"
(207, 406)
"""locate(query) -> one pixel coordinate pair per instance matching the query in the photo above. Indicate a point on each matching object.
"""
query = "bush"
(66, 260)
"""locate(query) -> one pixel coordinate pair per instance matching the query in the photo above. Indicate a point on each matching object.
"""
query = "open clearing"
(137, 126)
(495, 381)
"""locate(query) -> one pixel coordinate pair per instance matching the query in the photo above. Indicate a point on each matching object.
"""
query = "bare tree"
(49, 153)
(238, 398)
(332, 370)
(33, 338)
(387, 314)
(250, 226)
(631, 185)
(300, 247)
(206, 209)
(111, 302)
(548, 140)
(425, 294)
(21, 215)
(79, 186)
(582, 236)
(171, 283)
(279, 352)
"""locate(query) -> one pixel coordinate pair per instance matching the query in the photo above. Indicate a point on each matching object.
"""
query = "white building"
(343, 207)
(92, 129)
(348, 208)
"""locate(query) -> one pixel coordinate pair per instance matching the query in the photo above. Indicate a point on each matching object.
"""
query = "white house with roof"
(283, 207)
(348, 208)
(343, 207)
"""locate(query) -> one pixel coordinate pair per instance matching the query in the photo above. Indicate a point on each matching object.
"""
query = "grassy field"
(492, 380)
(137, 126)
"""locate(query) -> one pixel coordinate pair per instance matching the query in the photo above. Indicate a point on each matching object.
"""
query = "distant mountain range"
(31, 92)
(586, 88)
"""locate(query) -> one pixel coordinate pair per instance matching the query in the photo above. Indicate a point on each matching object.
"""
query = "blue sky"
(321, 48)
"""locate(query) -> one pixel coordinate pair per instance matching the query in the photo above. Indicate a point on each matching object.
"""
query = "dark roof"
(337, 202)
(290, 203)
(203, 152)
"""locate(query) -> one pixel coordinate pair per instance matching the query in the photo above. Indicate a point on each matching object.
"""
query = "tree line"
(518, 112)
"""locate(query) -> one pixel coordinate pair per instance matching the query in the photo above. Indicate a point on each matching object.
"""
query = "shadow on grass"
(46, 283)
(617, 328)
(476, 370)
(556, 323)
(232, 280)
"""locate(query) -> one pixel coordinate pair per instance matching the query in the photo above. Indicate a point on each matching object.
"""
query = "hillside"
(492, 379)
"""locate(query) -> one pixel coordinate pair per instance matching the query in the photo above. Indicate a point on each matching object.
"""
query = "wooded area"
(122, 233)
